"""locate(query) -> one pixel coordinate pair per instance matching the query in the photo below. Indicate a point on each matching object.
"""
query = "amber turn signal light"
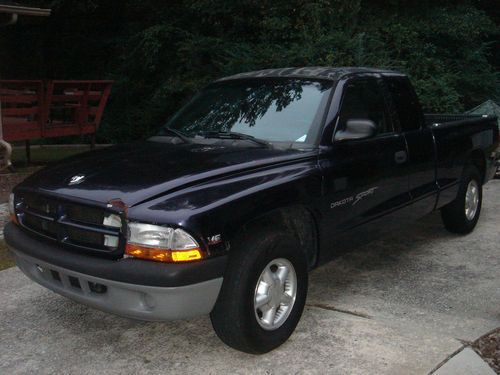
(13, 218)
(12, 209)
(162, 255)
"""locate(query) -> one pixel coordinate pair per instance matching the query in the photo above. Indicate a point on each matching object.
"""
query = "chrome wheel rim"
(471, 200)
(275, 294)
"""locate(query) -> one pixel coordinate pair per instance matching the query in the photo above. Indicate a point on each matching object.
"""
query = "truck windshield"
(273, 110)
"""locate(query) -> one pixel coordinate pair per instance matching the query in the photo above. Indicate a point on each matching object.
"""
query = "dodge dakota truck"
(257, 180)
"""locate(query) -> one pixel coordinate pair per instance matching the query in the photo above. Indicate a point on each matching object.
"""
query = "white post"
(5, 147)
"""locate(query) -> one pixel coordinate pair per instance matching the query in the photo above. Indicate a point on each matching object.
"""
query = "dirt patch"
(6, 260)
(488, 347)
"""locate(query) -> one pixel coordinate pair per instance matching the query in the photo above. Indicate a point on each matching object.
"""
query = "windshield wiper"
(235, 135)
(178, 134)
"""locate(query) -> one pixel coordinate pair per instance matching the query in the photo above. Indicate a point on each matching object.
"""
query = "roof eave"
(24, 11)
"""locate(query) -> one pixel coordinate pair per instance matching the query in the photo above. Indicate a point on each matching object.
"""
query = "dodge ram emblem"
(75, 180)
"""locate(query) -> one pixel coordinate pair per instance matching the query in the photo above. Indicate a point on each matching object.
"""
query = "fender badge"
(215, 239)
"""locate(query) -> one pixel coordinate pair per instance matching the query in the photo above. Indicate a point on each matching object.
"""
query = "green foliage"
(160, 53)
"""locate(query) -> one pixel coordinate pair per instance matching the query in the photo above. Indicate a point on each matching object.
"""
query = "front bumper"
(43, 263)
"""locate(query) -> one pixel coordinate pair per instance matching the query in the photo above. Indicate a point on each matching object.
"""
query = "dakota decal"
(353, 199)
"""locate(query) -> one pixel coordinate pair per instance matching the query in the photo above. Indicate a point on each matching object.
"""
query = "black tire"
(453, 215)
(233, 317)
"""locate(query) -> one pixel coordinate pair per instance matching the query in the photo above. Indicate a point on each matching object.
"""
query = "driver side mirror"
(356, 129)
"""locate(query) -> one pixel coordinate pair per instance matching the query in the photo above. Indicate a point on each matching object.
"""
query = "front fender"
(222, 206)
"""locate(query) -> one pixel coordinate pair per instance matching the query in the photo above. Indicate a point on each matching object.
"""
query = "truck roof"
(316, 72)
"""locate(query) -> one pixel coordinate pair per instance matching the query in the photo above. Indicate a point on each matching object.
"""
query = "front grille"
(72, 224)
(83, 214)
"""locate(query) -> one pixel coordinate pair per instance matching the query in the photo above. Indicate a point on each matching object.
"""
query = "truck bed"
(441, 118)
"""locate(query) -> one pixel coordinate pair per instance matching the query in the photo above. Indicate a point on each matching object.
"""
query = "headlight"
(162, 244)
(12, 208)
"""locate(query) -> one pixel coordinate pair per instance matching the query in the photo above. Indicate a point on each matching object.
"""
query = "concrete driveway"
(400, 305)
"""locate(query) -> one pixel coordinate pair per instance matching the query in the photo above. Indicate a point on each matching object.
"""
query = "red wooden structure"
(9, 14)
(48, 109)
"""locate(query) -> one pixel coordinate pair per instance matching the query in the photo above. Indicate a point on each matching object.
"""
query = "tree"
(160, 53)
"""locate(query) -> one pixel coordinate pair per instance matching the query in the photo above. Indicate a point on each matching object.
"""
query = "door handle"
(400, 157)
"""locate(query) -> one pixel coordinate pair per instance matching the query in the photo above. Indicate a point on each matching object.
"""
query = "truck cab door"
(421, 165)
(365, 180)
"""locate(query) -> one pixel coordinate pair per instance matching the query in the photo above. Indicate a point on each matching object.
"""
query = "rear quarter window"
(406, 103)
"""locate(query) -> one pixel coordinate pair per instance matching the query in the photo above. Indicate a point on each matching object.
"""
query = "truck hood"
(141, 171)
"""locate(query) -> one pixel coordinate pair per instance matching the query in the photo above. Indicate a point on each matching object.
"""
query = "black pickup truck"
(260, 178)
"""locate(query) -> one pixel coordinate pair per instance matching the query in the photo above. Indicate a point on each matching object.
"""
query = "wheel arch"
(298, 220)
(478, 159)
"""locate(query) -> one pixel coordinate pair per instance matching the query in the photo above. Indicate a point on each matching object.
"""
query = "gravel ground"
(4, 217)
(399, 305)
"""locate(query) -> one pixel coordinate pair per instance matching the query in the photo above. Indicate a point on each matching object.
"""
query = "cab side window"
(406, 102)
(363, 99)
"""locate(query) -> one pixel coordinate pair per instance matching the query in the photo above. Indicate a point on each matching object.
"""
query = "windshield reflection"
(280, 110)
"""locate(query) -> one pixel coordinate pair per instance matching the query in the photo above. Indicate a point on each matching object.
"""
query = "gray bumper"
(129, 300)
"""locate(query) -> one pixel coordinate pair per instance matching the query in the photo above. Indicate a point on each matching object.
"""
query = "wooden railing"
(48, 109)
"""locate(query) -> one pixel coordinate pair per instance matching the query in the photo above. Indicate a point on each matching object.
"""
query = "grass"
(6, 260)
(45, 155)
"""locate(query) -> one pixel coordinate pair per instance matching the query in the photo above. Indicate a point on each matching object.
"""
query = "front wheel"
(263, 294)
(461, 215)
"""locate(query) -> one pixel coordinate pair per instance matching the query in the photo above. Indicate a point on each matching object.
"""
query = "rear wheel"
(263, 294)
(461, 215)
